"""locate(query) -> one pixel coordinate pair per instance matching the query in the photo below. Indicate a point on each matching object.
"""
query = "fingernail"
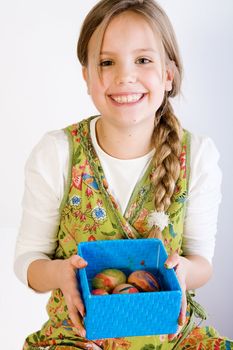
(82, 264)
(181, 321)
(83, 261)
(83, 333)
(167, 266)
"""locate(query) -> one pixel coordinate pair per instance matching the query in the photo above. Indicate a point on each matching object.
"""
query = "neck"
(124, 143)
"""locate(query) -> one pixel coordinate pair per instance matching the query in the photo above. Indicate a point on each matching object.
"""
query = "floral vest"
(89, 212)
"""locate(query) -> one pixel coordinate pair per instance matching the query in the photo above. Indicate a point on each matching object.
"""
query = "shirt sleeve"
(45, 177)
(204, 197)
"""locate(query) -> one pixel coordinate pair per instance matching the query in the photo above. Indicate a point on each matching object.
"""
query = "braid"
(167, 140)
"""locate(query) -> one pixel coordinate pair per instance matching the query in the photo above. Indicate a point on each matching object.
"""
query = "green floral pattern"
(89, 212)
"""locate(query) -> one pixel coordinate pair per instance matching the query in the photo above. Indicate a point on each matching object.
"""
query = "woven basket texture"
(122, 315)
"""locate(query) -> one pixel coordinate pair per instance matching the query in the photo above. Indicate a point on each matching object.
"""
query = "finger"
(78, 302)
(180, 325)
(73, 296)
(172, 261)
(76, 319)
(78, 262)
(173, 336)
(182, 315)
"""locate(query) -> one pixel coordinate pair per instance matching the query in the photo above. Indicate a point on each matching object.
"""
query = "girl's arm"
(194, 268)
(45, 175)
(46, 275)
(193, 271)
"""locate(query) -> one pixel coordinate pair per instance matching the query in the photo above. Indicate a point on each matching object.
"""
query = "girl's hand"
(181, 267)
(68, 284)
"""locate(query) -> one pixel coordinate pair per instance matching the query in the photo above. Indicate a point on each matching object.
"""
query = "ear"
(170, 73)
(84, 72)
(85, 77)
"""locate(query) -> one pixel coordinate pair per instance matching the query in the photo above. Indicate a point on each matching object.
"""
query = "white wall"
(41, 89)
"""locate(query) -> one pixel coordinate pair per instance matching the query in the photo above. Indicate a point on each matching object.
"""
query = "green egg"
(108, 279)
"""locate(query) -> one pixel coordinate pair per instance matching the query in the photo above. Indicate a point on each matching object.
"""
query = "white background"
(41, 89)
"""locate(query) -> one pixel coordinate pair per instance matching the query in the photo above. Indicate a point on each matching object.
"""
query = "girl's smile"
(128, 99)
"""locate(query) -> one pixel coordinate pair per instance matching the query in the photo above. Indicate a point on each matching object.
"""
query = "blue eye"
(143, 60)
(106, 63)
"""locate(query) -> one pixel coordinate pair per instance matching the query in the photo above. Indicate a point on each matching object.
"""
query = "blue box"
(125, 315)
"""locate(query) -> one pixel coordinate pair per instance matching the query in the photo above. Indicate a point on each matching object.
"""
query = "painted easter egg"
(144, 281)
(99, 292)
(108, 279)
(125, 288)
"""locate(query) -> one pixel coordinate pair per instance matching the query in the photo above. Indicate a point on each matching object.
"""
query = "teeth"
(127, 98)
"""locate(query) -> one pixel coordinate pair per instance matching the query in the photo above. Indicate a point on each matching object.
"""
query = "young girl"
(131, 172)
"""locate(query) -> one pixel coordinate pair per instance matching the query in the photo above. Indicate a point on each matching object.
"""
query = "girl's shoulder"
(204, 161)
(57, 141)
(52, 142)
(49, 160)
(49, 142)
(202, 147)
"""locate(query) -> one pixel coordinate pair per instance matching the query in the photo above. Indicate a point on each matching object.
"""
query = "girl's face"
(133, 78)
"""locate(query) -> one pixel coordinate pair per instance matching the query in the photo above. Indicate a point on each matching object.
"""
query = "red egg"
(99, 292)
(125, 288)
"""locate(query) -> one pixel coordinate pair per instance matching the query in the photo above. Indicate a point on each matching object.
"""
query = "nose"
(125, 74)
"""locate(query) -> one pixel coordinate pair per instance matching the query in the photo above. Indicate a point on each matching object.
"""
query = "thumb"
(172, 261)
(78, 262)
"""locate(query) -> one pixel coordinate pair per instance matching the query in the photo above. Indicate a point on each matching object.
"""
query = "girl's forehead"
(131, 22)
(128, 27)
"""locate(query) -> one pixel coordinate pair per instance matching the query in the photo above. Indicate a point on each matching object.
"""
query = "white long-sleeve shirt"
(45, 179)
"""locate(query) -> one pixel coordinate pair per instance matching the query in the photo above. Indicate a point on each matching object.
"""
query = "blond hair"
(167, 131)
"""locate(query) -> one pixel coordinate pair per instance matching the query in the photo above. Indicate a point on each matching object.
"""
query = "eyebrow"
(134, 51)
